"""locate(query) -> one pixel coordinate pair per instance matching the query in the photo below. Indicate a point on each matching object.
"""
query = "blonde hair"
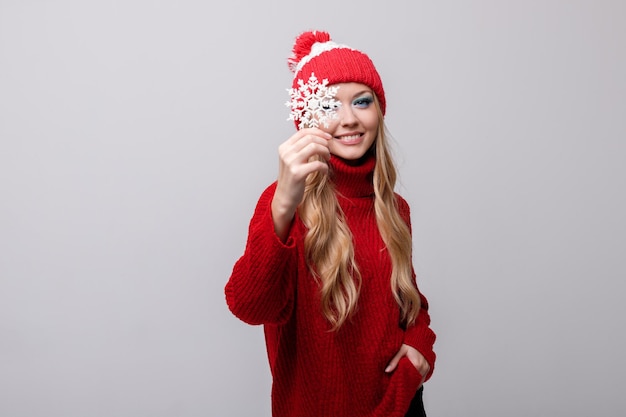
(329, 247)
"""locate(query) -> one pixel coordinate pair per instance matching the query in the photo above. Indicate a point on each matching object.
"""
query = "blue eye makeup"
(363, 102)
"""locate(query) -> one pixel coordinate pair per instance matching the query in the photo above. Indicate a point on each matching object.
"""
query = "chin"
(352, 153)
(353, 157)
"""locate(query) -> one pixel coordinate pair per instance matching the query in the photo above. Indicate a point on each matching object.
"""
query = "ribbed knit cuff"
(423, 340)
(421, 337)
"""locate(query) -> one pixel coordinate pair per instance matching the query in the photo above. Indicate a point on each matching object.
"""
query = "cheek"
(330, 126)
(372, 122)
(369, 118)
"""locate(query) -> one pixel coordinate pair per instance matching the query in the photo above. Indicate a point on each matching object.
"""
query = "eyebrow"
(360, 93)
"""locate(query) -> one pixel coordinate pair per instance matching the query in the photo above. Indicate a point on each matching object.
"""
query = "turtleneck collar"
(353, 180)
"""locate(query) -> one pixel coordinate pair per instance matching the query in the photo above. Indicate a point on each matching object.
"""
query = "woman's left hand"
(413, 355)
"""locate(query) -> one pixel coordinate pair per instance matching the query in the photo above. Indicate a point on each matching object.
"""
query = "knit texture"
(315, 53)
(317, 372)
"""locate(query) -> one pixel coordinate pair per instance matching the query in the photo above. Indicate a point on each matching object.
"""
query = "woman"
(327, 267)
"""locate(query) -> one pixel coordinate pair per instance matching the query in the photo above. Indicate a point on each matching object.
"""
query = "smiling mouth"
(350, 138)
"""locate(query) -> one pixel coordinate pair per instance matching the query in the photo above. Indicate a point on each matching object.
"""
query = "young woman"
(327, 267)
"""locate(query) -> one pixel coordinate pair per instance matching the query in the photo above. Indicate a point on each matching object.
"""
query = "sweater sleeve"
(403, 384)
(419, 335)
(260, 289)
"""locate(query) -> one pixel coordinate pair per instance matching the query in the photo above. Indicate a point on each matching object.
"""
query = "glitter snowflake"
(312, 103)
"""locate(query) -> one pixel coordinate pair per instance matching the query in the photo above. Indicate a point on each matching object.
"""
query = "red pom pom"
(303, 44)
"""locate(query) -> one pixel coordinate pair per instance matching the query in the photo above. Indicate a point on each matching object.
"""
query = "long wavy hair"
(329, 246)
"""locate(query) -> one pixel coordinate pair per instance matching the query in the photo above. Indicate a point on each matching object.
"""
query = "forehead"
(351, 89)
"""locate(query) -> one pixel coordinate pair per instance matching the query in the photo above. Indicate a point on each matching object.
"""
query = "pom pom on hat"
(302, 46)
(314, 53)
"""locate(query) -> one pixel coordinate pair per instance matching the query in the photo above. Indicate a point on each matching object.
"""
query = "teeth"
(350, 137)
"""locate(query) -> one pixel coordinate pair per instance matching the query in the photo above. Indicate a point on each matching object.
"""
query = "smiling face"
(355, 127)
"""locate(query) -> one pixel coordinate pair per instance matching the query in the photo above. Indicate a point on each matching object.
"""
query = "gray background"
(136, 136)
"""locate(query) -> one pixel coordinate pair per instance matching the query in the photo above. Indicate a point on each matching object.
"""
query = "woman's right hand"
(294, 165)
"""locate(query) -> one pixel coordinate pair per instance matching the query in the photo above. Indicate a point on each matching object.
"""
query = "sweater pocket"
(403, 384)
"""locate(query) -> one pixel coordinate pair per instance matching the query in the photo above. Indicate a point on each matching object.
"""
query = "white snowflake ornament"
(313, 103)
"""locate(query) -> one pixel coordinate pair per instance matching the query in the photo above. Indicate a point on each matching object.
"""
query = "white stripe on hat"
(317, 49)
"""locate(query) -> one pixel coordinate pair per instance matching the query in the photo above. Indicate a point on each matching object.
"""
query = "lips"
(351, 139)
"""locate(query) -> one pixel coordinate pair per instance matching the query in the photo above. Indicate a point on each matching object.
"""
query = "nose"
(347, 116)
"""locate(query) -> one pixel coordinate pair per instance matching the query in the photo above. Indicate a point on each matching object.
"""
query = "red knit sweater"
(317, 372)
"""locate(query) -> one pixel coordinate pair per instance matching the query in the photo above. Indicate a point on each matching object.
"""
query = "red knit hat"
(315, 54)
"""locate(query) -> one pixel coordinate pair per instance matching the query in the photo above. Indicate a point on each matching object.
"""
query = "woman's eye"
(363, 102)
(330, 106)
